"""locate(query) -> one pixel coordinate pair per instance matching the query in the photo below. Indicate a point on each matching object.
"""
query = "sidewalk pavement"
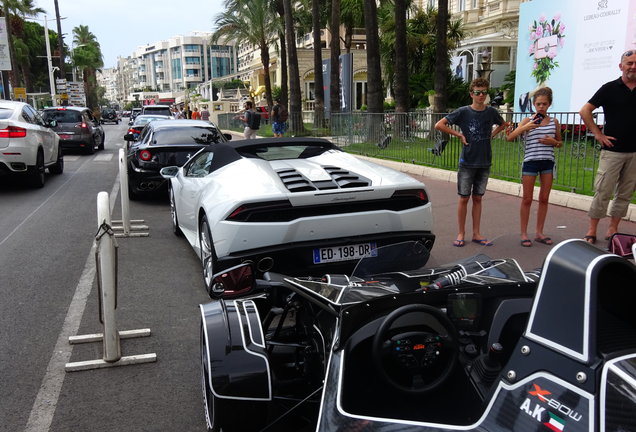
(557, 197)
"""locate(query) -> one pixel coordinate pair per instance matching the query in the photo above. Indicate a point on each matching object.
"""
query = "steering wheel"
(417, 361)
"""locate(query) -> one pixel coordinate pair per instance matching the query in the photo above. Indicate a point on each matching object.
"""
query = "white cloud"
(121, 26)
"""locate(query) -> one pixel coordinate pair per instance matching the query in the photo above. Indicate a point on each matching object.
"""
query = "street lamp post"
(48, 59)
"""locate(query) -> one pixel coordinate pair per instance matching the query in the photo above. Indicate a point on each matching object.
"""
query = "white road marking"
(103, 157)
(46, 400)
(73, 158)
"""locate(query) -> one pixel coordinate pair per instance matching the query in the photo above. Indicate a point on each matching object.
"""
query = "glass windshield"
(63, 116)
(186, 136)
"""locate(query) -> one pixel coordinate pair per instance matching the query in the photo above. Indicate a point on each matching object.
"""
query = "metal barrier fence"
(411, 137)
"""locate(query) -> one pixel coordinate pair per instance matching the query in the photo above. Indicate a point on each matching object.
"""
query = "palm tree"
(250, 22)
(375, 97)
(334, 45)
(441, 57)
(319, 94)
(15, 11)
(401, 72)
(295, 100)
(88, 57)
(278, 6)
(352, 16)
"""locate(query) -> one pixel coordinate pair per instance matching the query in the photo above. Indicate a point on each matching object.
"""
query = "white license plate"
(345, 253)
(64, 136)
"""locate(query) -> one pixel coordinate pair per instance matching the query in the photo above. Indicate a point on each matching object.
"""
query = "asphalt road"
(47, 293)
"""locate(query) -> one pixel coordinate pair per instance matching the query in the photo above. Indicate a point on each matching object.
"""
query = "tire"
(58, 166)
(228, 415)
(208, 256)
(173, 215)
(101, 144)
(90, 149)
(132, 195)
(36, 173)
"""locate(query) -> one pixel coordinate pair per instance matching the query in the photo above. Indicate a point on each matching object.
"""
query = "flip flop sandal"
(483, 242)
(526, 243)
(590, 239)
(545, 240)
(459, 243)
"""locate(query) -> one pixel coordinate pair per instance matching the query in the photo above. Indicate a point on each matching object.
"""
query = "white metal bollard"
(106, 264)
(107, 278)
(123, 191)
(125, 204)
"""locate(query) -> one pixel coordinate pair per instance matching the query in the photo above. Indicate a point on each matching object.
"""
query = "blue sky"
(123, 25)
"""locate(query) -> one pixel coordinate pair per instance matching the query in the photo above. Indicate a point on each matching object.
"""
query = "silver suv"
(156, 109)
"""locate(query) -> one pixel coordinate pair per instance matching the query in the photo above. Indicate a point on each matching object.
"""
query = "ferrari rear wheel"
(208, 256)
(173, 214)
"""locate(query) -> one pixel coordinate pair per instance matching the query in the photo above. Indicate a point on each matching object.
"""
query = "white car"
(295, 205)
(28, 145)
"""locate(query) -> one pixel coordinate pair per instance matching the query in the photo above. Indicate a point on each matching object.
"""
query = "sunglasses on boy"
(480, 92)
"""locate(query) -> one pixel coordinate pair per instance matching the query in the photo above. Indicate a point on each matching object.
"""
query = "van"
(156, 109)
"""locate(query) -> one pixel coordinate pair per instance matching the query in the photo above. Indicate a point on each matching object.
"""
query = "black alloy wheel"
(208, 256)
(36, 173)
(173, 214)
(58, 166)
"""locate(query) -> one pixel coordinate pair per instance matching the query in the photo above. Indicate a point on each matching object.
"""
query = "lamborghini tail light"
(419, 195)
(261, 210)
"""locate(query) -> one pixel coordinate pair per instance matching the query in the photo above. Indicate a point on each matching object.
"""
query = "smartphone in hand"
(538, 118)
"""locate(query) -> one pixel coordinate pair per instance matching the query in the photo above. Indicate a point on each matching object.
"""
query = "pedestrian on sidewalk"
(251, 119)
(476, 123)
(196, 115)
(616, 173)
(279, 118)
(205, 114)
(541, 134)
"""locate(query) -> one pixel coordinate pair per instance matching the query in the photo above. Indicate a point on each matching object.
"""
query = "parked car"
(28, 145)
(77, 128)
(156, 110)
(477, 345)
(134, 113)
(292, 204)
(165, 143)
(109, 115)
(140, 122)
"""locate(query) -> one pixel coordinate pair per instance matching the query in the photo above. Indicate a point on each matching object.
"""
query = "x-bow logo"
(539, 392)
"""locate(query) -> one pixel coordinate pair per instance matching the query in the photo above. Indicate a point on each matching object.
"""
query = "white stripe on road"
(45, 403)
(103, 157)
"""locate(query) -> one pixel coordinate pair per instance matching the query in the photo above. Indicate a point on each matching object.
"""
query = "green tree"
(250, 22)
(295, 100)
(334, 46)
(87, 56)
(352, 17)
(15, 11)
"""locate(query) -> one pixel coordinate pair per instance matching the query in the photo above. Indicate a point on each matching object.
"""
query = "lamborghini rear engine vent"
(340, 179)
(283, 211)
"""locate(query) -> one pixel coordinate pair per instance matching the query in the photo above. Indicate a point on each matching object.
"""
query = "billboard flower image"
(546, 36)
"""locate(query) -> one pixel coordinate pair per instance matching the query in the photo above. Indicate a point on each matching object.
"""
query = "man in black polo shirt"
(617, 165)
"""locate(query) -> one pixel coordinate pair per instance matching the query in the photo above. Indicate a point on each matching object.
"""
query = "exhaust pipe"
(265, 264)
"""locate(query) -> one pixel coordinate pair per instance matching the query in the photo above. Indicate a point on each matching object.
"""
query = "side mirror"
(233, 282)
(228, 136)
(51, 123)
(169, 172)
(129, 137)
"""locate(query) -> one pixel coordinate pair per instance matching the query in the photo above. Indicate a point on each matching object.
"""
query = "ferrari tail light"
(13, 132)
(261, 211)
(145, 155)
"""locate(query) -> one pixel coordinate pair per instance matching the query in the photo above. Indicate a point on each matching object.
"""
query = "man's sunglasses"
(628, 53)
(480, 92)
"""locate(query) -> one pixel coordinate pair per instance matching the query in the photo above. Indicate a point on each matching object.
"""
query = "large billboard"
(572, 46)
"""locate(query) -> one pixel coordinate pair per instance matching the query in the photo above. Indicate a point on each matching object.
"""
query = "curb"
(557, 197)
